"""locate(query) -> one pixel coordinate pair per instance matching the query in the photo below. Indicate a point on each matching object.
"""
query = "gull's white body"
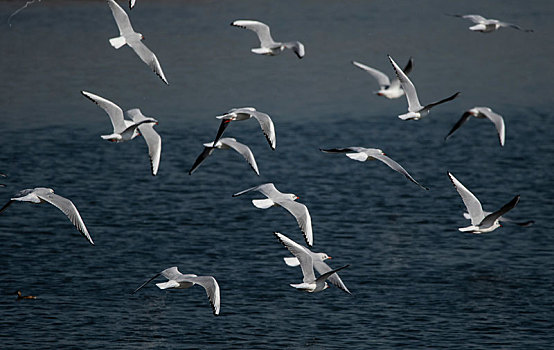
(415, 109)
(176, 280)
(267, 45)
(128, 36)
(226, 143)
(46, 195)
(390, 89)
(485, 25)
(362, 154)
(483, 113)
(244, 113)
(287, 201)
(481, 222)
(151, 137)
(123, 130)
(305, 258)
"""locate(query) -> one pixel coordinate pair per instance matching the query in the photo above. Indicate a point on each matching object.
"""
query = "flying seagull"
(226, 143)
(318, 260)
(245, 113)
(485, 25)
(179, 281)
(267, 45)
(287, 201)
(482, 112)
(309, 283)
(481, 222)
(387, 88)
(152, 138)
(364, 154)
(46, 195)
(123, 130)
(133, 39)
(415, 110)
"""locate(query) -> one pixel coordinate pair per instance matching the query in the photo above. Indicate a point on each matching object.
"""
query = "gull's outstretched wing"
(114, 112)
(393, 165)
(148, 57)
(408, 87)
(492, 217)
(302, 215)
(69, 209)
(121, 19)
(152, 138)
(243, 150)
(471, 202)
(382, 79)
(322, 268)
(205, 154)
(303, 256)
(212, 289)
(459, 123)
(261, 30)
(297, 47)
(267, 127)
(497, 120)
(145, 283)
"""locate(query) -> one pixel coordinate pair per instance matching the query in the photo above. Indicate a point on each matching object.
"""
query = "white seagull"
(133, 39)
(481, 222)
(132, 3)
(482, 112)
(245, 113)
(123, 130)
(364, 154)
(226, 143)
(318, 260)
(485, 25)
(415, 109)
(46, 195)
(287, 201)
(152, 138)
(267, 45)
(309, 283)
(387, 88)
(179, 281)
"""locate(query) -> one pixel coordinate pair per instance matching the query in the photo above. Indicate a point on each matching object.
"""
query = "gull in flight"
(287, 201)
(267, 45)
(179, 281)
(387, 88)
(152, 138)
(415, 109)
(317, 260)
(309, 283)
(364, 154)
(226, 143)
(47, 195)
(246, 113)
(482, 112)
(481, 222)
(133, 39)
(123, 130)
(485, 25)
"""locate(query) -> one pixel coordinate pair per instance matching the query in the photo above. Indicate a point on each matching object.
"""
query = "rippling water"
(416, 280)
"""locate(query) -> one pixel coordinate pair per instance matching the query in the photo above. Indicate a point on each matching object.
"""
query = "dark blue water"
(417, 281)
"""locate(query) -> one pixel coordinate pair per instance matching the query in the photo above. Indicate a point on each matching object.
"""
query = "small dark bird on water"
(21, 296)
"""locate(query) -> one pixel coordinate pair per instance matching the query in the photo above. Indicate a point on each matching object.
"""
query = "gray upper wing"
(121, 18)
(303, 256)
(243, 150)
(322, 268)
(393, 165)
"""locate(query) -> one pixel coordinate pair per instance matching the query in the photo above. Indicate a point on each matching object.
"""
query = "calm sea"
(417, 282)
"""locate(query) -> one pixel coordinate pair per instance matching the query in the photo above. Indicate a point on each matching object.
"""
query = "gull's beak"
(330, 257)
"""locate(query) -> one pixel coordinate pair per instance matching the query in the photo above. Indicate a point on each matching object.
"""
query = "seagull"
(309, 284)
(123, 130)
(485, 25)
(415, 110)
(226, 143)
(132, 4)
(246, 113)
(387, 88)
(287, 201)
(179, 281)
(153, 140)
(267, 45)
(133, 39)
(42, 195)
(364, 154)
(317, 259)
(481, 222)
(482, 112)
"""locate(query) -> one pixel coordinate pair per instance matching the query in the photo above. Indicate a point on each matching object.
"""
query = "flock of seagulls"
(137, 124)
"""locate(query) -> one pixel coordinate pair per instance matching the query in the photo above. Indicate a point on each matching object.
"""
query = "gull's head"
(323, 256)
(141, 36)
(293, 196)
(325, 286)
